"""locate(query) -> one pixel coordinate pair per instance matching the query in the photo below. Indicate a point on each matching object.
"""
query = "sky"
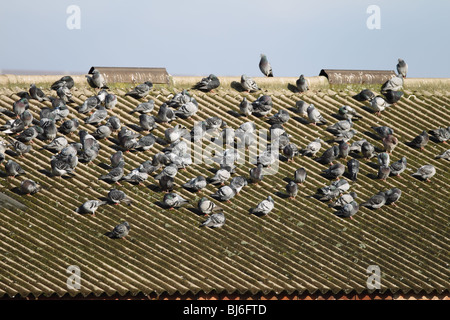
(199, 37)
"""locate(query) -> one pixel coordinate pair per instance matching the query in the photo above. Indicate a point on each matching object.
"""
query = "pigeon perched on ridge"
(90, 206)
(208, 83)
(402, 67)
(302, 84)
(57, 144)
(89, 104)
(264, 207)
(383, 131)
(312, 148)
(389, 143)
(364, 95)
(248, 84)
(221, 176)
(216, 220)
(141, 90)
(237, 183)
(262, 106)
(425, 172)
(383, 172)
(115, 174)
(224, 193)
(392, 196)
(348, 113)
(245, 107)
(265, 66)
(420, 141)
(383, 159)
(301, 108)
(315, 116)
(96, 81)
(376, 201)
(335, 171)
(20, 106)
(281, 117)
(395, 84)
(379, 104)
(110, 101)
(290, 151)
(445, 155)
(368, 150)
(37, 93)
(343, 200)
(63, 82)
(165, 114)
(120, 231)
(174, 200)
(329, 155)
(29, 187)
(144, 107)
(19, 147)
(338, 127)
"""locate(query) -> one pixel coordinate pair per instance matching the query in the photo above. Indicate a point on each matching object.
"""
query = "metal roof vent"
(336, 76)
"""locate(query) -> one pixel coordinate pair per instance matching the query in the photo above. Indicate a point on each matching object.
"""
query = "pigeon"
(180, 98)
(398, 167)
(19, 147)
(237, 183)
(13, 126)
(345, 136)
(245, 107)
(356, 146)
(49, 128)
(170, 170)
(334, 189)
(64, 82)
(198, 131)
(315, 116)
(364, 95)
(348, 113)
(353, 169)
(420, 141)
(344, 149)
(96, 81)
(27, 118)
(116, 159)
(57, 144)
(292, 189)
(110, 101)
(329, 155)
(348, 210)
(302, 84)
(206, 206)
(335, 171)
(265, 66)
(141, 90)
(120, 231)
(208, 84)
(37, 94)
(102, 132)
(367, 150)
(343, 200)
(89, 104)
(340, 126)
(376, 201)
(90, 206)
(392, 97)
(221, 176)
(425, 172)
(20, 106)
(267, 158)
(383, 159)
(114, 123)
(61, 167)
(115, 174)
(395, 84)
(98, 116)
(383, 172)
(173, 200)
(445, 155)
(290, 151)
(281, 117)
(300, 175)
(312, 148)
(216, 220)
(196, 184)
(224, 193)
(29, 134)
(389, 143)
(165, 114)
(64, 94)
(440, 134)
(262, 106)
(146, 142)
(144, 107)
(379, 104)
(116, 196)
(392, 196)
(402, 67)
(215, 123)
(166, 183)
(301, 108)
(187, 110)
(264, 207)
(383, 131)
(29, 187)
(138, 175)
(248, 84)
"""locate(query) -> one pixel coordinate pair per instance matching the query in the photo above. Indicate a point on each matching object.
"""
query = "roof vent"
(133, 75)
(357, 76)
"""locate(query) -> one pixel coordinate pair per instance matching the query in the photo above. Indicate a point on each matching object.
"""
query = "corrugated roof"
(300, 247)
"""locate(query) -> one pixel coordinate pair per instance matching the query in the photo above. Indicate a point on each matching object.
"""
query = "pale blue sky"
(200, 37)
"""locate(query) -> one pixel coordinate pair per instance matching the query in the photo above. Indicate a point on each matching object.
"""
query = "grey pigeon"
(114, 122)
(262, 106)
(302, 84)
(281, 117)
(445, 155)
(174, 200)
(196, 184)
(312, 148)
(367, 150)
(425, 172)
(348, 210)
(343, 200)
(264, 207)
(329, 155)
(187, 110)
(65, 81)
(19, 147)
(206, 206)
(383, 159)
(57, 144)
(208, 84)
(344, 149)
(115, 174)
(290, 151)
(141, 90)
(110, 101)
(27, 118)
(137, 175)
(96, 81)
(345, 136)
(420, 141)
(364, 95)
(402, 67)
(120, 231)
(389, 143)
(383, 172)
(245, 107)
(353, 169)
(440, 134)
(61, 167)
(28, 187)
(170, 170)
(180, 98)
(146, 142)
(392, 97)
(90, 206)
(338, 127)
(13, 126)
(64, 94)
(265, 66)
(300, 175)
(89, 104)
(301, 108)
(165, 114)
(392, 196)
(116, 159)
(395, 84)
(383, 131)
(49, 129)
(166, 183)
(98, 116)
(102, 132)
(116, 196)
(144, 107)
(20, 106)
(315, 116)
(237, 183)
(356, 146)
(29, 134)
(334, 190)
(292, 189)
(224, 193)
(335, 171)
(215, 123)
(248, 84)
(147, 122)
(221, 176)
(216, 220)
(376, 201)
(398, 166)
(379, 104)
(348, 113)
(37, 93)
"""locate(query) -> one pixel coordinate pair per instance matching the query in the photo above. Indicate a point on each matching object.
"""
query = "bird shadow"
(366, 108)
(258, 214)
(301, 120)
(373, 165)
(292, 88)
(372, 176)
(195, 211)
(237, 86)
(234, 113)
(281, 195)
(135, 127)
(372, 135)
(16, 190)
(162, 205)
(11, 153)
(104, 166)
(45, 172)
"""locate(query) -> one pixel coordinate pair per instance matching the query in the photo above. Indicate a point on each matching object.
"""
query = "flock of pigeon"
(22, 129)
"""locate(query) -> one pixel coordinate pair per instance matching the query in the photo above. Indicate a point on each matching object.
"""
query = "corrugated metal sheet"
(336, 76)
(133, 75)
(300, 247)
